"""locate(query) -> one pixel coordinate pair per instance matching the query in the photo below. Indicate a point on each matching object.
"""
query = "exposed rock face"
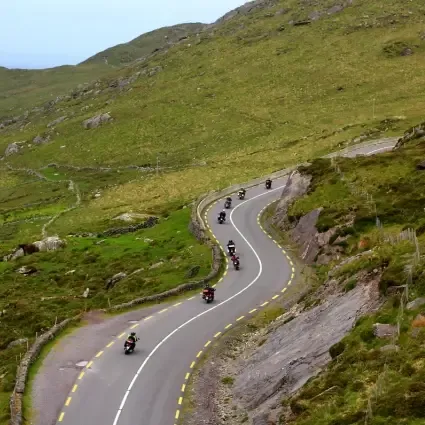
(413, 305)
(56, 121)
(383, 330)
(110, 283)
(41, 140)
(298, 350)
(96, 121)
(12, 149)
(51, 243)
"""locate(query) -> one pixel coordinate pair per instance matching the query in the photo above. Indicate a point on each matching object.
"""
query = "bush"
(337, 349)
(351, 284)
(227, 380)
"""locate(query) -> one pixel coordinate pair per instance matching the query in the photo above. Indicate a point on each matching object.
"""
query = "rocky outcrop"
(97, 120)
(56, 121)
(413, 133)
(110, 283)
(12, 149)
(51, 243)
(416, 303)
(41, 140)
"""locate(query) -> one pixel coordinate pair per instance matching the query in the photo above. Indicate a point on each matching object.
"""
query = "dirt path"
(59, 371)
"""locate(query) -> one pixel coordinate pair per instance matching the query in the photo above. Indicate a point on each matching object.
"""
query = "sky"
(47, 33)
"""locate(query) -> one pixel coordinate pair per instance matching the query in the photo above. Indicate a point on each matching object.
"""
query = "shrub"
(337, 349)
(227, 380)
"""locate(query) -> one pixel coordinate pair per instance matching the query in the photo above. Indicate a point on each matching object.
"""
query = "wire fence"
(408, 234)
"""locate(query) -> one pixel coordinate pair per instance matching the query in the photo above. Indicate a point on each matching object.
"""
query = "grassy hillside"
(144, 44)
(362, 371)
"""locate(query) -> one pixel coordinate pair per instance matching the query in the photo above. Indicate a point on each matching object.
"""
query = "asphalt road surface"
(144, 388)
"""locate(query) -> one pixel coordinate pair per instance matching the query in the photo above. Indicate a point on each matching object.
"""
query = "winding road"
(147, 387)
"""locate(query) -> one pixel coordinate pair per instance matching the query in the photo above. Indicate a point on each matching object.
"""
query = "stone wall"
(16, 408)
(413, 133)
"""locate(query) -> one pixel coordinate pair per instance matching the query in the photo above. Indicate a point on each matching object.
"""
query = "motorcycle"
(129, 346)
(208, 296)
(228, 204)
(236, 264)
(241, 195)
(221, 219)
(268, 184)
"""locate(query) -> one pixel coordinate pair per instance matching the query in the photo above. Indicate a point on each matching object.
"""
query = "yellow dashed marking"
(284, 251)
(262, 305)
(187, 376)
(224, 273)
(162, 311)
(89, 364)
(289, 282)
(81, 375)
(177, 414)
(192, 365)
(183, 387)
(110, 344)
(217, 334)
(120, 336)
(292, 275)
(252, 311)
(279, 246)
(99, 353)
(293, 269)
(191, 298)
(61, 416)
(74, 388)
(228, 326)
(207, 344)
(240, 318)
(284, 289)
(180, 400)
(276, 296)
(214, 285)
(199, 354)
(68, 400)
(147, 318)
(221, 280)
(134, 326)
(175, 305)
(290, 262)
(269, 236)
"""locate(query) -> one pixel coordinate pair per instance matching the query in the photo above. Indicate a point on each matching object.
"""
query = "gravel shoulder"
(59, 370)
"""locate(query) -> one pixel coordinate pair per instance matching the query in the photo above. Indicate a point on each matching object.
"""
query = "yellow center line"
(214, 285)
(283, 290)
(292, 275)
(183, 388)
(293, 269)
(289, 282)
(253, 310)
(224, 273)
(162, 311)
(228, 326)
(262, 305)
(292, 264)
(120, 336)
(207, 344)
(199, 354)
(99, 353)
(284, 251)
(89, 364)
(276, 296)
(74, 388)
(177, 414)
(175, 305)
(111, 344)
(240, 318)
(269, 236)
(180, 400)
(187, 376)
(147, 318)
(81, 375)
(279, 246)
(68, 400)
(192, 365)
(61, 416)
(217, 334)
(134, 326)
(221, 280)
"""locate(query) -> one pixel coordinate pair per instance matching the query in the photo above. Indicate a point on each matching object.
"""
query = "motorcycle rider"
(235, 260)
(208, 290)
(133, 338)
(231, 247)
(242, 192)
(268, 183)
(222, 214)
(228, 202)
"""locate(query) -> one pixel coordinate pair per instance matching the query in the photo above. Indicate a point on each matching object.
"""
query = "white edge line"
(206, 311)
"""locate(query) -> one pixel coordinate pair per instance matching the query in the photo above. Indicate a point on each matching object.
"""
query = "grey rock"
(413, 305)
(389, 348)
(40, 140)
(19, 341)
(156, 265)
(56, 121)
(12, 149)
(407, 51)
(110, 283)
(96, 121)
(86, 293)
(384, 330)
(51, 243)
(27, 270)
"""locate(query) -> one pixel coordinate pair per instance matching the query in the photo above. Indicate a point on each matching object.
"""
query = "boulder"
(12, 149)
(384, 330)
(19, 341)
(56, 121)
(130, 217)
(416, 303)
(96, 121)
(51, 243)
(156, 265)
(41, 140)
(27, 270)
(110, 283)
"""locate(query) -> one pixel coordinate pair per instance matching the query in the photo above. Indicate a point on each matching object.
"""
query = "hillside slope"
(145, 44)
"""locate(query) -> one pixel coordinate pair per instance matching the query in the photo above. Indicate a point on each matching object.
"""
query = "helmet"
(133, 334)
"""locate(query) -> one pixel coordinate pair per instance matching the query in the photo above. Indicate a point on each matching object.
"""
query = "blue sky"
(47, 33)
